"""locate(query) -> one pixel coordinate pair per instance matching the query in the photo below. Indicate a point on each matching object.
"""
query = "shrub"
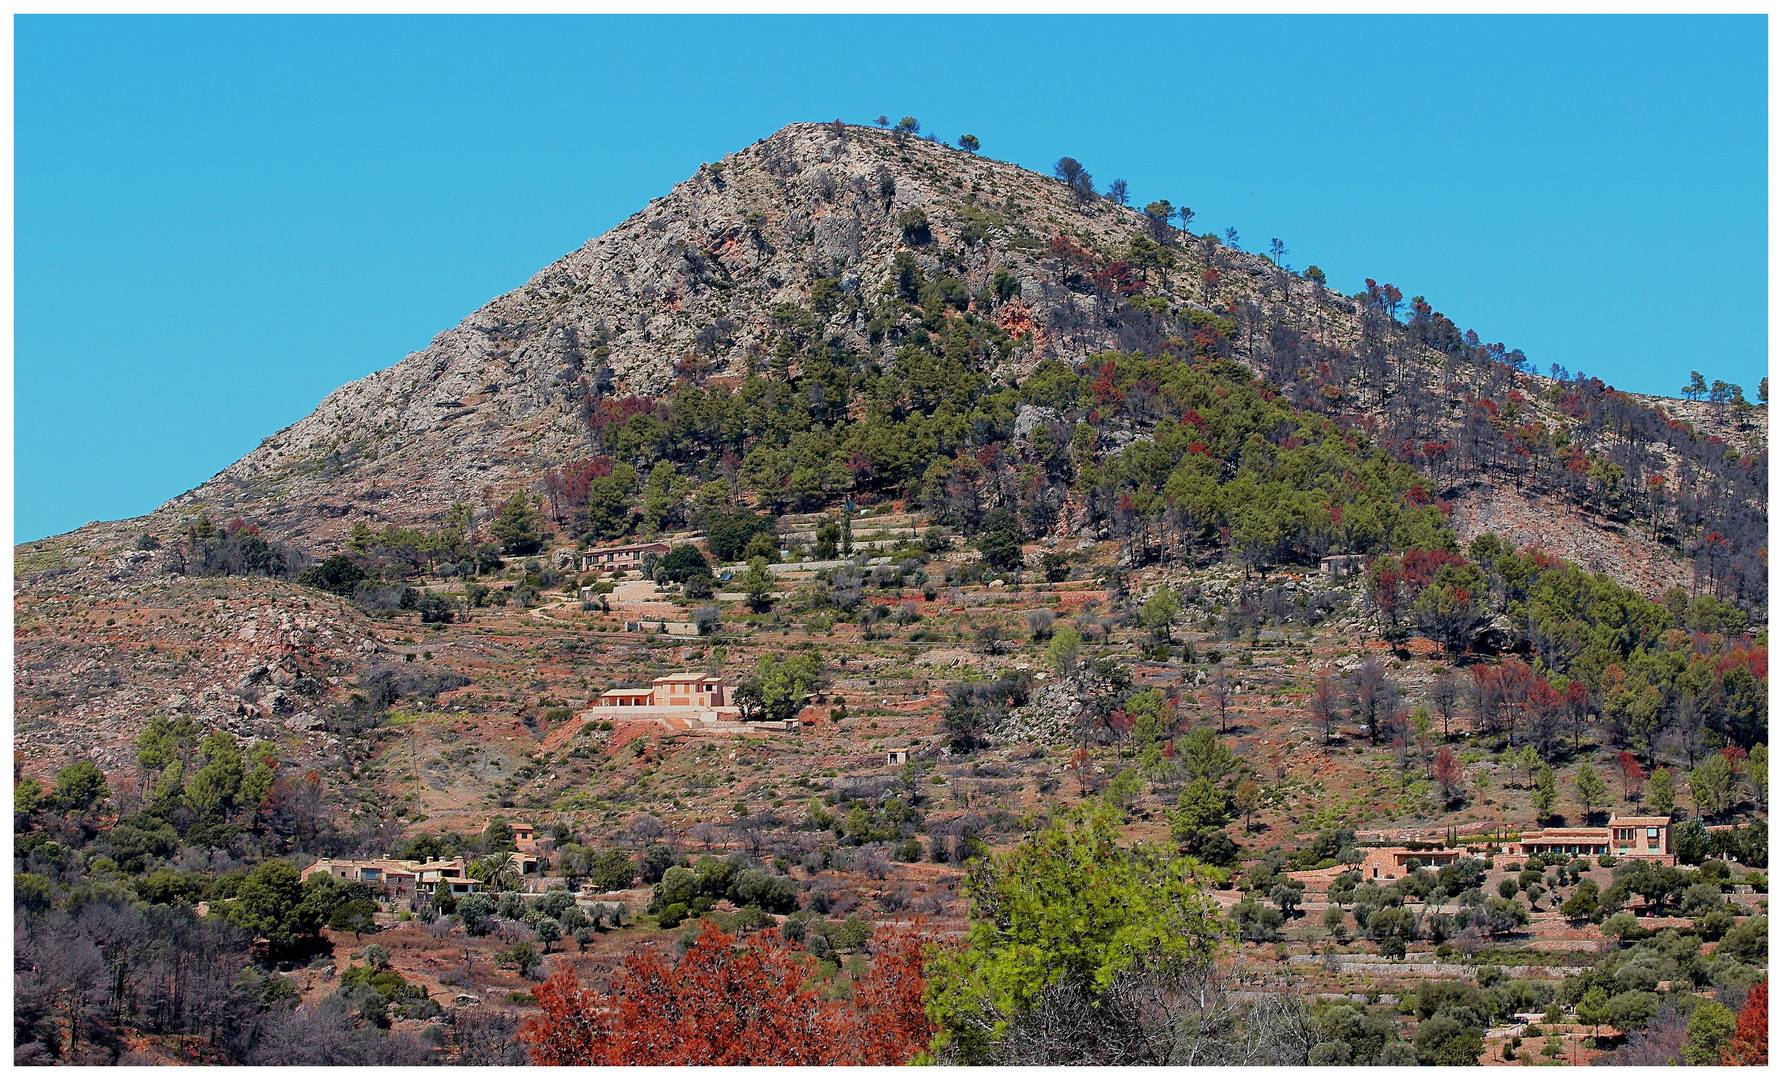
(1631, 1010)
(474, 910)
(682, 563)
(611, 870)
(524, 955)
(655, 861)
(914, 223)
(1748, 942)
(516, 525)
(337, 574)
(728, 535)
(434, 608)
(1446, 1039)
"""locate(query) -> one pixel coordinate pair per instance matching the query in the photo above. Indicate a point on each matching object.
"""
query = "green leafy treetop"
(516, 525)
(272, 904)
(779, 685)
(1661, 792)
(1201, 806)
(1711, 784)
(1159, 613)
(1545, 793)
(1063, 652)
(80, 787)
(681, 563)
(728, 535)
(216, 786)
(1710, 1026)
(1592, 791)
(1069, 912)
(338, 573)
(498, 836)
(757, 584)
(163, 742)
(828, 540)
(609, 502)
(27, 796)
(1000, 542)
(762, 545)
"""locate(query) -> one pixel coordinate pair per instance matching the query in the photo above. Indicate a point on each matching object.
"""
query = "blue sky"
(219, 220)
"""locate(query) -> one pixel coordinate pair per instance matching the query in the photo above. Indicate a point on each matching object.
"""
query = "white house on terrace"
(683, 700)
(693, 689)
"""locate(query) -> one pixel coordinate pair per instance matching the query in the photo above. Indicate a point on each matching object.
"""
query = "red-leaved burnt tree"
(1073, 258)
(1446, 770)
(1632, 774)
(568, 489)
(1577, 708)
(1750, 1044)
(733, 1000)
(1545, 708)
(1082, 766)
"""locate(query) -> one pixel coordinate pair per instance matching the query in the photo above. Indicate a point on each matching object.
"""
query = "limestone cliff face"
(690, 285)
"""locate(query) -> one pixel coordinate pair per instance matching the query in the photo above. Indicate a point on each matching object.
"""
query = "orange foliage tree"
(733, 1000)
(1750, 1044)
(1448, 772)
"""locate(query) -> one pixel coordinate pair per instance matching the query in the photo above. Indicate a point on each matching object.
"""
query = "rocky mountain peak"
(795, 235)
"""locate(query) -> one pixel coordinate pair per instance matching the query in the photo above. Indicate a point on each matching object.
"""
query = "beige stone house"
(400, 879)
(1622, 837)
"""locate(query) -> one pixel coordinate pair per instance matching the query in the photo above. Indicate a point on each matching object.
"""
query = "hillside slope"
(800, 238)
(689, 285)
(987, 497)
(797, 244)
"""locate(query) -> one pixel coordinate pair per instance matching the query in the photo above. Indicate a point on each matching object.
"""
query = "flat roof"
(630, 690)
(687, 675)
